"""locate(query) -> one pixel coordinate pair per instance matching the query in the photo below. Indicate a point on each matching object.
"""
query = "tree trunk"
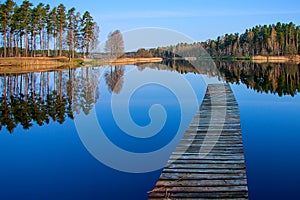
(86, 46)
(21, 45)
(60, 40)
(30, 47)
(73, 53)
(48, 44)
(16, 44)
(41, 42)
(26, 43)
(9, 44)
(71, 45)
(55, 49)
(4, 40)
(11, 41)
(74, 44)
(33, 42)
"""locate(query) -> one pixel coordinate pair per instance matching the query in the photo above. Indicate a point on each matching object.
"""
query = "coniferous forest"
(267, 40)
(42, 30)
(272, 40)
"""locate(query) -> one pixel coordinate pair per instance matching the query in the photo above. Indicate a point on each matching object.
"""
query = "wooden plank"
(218, 173)
(202, 161)
(202, 183)
(190, 176)
(200, 195)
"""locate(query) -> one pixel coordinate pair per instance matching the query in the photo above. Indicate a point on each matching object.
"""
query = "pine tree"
(61, 19)
(25, 15)
(71, 17)
(52, 30)
(41, 13)
(87, 31)
(6, 11)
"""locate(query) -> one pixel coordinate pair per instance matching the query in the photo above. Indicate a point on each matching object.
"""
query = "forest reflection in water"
(44, 97)
(276, 78)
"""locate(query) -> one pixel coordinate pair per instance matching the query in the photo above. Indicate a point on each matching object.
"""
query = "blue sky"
(198, 19)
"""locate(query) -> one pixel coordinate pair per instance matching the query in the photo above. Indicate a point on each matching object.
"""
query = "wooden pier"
(208, 162)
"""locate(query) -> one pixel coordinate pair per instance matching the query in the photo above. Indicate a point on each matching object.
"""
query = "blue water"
(271, 136)
(51, 162)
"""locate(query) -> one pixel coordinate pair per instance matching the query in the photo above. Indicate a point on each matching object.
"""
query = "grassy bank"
(39, 64)
(33, 64)
(41, 61)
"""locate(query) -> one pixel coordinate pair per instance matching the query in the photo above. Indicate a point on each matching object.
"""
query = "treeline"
(268, 40)
(40, 30)
(272, 40)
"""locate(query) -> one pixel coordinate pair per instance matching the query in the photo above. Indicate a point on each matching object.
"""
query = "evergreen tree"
(6, 11)
(61, 23)
(71, 17)
(25, 17)
(87, 29)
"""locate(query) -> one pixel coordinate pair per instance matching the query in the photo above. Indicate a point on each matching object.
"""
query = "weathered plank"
(208, 162)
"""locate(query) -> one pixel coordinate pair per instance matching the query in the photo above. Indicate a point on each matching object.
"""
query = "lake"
(48, 150)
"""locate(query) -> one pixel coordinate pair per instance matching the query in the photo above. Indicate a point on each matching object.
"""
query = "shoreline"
(35, 64)
(42, 64)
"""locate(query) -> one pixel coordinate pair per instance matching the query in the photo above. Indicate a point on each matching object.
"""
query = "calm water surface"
(42, 156)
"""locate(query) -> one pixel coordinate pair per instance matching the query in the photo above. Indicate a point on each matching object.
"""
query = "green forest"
(268, 40)
(42, 30)
(281, 39)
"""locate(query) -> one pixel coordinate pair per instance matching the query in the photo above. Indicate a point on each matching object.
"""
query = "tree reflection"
(85, 89)
(26, 110)
(46, 97)
(114, 79)
(275, 78)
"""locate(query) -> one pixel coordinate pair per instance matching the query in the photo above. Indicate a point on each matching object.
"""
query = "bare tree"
(114, 45)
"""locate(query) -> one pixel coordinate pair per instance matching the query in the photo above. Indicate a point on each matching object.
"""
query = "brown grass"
(28, 61)
(35, 64)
